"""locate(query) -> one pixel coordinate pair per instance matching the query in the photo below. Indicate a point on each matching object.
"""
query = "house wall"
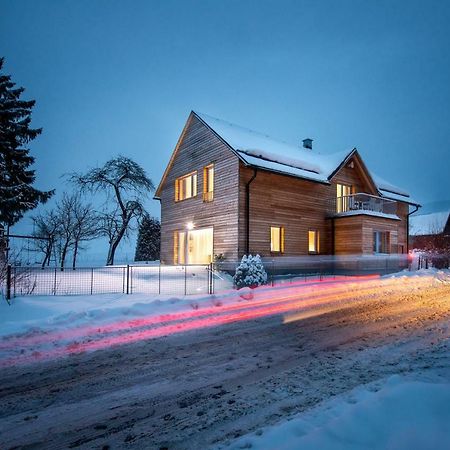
(199, 147)
(354, 234)
(279, 200)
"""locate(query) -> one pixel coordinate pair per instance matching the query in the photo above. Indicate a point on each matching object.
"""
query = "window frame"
(281, 238)
(316, 242)
(208, 195)
(384, 242)
(342, 201)
(194, 182)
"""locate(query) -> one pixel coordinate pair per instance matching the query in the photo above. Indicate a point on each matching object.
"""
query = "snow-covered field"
(302, 364)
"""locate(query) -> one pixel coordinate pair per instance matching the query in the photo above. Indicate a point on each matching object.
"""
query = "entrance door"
(200, 246)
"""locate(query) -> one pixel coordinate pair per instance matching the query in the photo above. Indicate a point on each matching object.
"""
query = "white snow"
(262, 151)
(280, 156)
(368, 212)
(394, 413)
(429, 223)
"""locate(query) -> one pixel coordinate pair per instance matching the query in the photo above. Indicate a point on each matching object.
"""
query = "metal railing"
(361, 202)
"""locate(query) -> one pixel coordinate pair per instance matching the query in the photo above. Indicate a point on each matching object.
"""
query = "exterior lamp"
(190, 226)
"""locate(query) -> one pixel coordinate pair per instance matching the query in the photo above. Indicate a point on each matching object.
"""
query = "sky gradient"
(116, 77)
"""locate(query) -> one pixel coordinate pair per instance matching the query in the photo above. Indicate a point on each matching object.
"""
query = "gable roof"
(434, 223)
(259, 150)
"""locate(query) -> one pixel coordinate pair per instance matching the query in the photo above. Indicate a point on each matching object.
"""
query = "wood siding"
(354, 234)
(198, 148)
(295, 204)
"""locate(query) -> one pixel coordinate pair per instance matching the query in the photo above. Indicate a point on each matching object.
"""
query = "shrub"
(250, 272)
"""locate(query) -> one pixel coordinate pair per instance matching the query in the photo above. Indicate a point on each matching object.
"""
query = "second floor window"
(342, 197)
(186, 186)
(277, 239)
(208, 183)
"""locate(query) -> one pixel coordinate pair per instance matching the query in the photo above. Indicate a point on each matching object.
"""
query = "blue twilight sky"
(114, 77)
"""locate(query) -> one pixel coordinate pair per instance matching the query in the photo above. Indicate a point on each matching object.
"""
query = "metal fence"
(188, 279)
(130, 279)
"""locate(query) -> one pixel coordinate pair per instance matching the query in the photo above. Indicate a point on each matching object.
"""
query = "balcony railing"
(362, 202)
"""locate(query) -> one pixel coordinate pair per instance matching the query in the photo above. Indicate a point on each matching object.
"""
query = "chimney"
(307, 143)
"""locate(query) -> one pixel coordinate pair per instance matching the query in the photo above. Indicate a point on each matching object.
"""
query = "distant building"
(430, 231)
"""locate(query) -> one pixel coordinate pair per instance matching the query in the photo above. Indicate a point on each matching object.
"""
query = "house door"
(200, 246)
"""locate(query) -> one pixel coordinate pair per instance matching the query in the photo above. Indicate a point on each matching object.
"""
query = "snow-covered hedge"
(250, 272)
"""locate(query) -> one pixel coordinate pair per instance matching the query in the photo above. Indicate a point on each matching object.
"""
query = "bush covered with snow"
(250, 272)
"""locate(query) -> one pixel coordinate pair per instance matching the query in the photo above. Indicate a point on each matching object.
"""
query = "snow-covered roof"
(259, 150)
(429, 223)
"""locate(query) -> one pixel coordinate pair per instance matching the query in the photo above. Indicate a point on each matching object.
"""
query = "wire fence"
(188, 279)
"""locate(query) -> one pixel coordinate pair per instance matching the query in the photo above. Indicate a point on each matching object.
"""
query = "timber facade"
(214, 202)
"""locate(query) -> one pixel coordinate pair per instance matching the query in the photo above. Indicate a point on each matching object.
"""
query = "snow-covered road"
(195, 387)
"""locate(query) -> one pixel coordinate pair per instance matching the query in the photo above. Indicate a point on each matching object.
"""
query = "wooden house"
(231, 191)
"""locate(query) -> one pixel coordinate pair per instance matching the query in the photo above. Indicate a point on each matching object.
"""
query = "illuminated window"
(208, 183)
(313, 241)
(277, 239)
(381, 242)
(186, 187)
(343, 191)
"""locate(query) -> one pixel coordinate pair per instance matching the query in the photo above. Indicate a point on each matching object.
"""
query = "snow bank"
(394, 413)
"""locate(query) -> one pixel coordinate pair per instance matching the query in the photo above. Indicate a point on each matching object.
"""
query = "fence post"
(54, 282)
(128, 279)
(8, 282)
(185, 279)
(210, 278)
(92, 279)
(159, 278)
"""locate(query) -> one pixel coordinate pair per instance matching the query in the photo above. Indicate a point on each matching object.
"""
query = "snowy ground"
(202, 372)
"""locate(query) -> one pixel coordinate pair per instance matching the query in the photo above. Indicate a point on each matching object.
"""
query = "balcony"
(351, 204)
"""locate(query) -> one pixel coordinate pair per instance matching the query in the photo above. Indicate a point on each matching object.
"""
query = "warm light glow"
(190, 226)
(277, 239)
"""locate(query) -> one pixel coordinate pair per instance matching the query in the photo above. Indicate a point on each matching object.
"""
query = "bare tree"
(47, 227)
(85, 226)
(124, 182)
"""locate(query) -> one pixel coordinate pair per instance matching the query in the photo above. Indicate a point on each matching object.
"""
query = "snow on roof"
(260, 150)
(428, 223)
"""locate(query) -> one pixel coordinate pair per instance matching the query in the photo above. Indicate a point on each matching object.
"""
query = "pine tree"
(149, 238)
(17, 194)
(250, 272)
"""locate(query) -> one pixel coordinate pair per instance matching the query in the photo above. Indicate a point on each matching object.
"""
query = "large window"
(313, 241)
(186, 186)
(342, 197)
(381, 241)
(193, 246)
(208, 183)
(277, 239)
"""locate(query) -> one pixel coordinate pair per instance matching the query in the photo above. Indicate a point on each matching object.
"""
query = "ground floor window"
(277, 239)
(313, 241)
(381, 241)
(193, 246)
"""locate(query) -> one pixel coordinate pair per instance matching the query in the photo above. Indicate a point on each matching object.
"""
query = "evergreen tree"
(250, 272)
(149, 239)
(17, 194)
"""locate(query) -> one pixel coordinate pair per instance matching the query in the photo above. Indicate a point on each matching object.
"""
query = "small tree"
(126, 184)
(149, 239)
(17, 194)
(250, 272)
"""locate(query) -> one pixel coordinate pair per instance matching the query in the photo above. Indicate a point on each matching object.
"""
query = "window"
(208, 183)
(277, 239)
(313, 241)
(381, 242)
(193, 246)
(186, 187)
(343, 191)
